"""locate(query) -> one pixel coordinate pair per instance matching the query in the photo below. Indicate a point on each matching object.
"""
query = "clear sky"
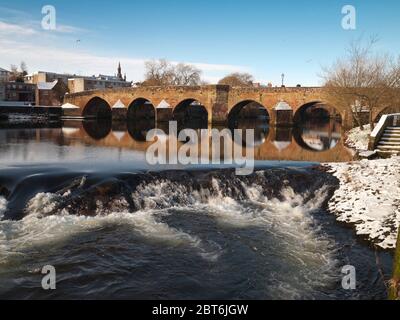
(265, 38)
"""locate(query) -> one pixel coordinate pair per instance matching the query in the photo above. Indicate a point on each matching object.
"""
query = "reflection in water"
(260, 127)
(319, 135)
(138, 129)
(97, 129)
(282, 137)
(193, 124)
(311, 141)
(250, 115)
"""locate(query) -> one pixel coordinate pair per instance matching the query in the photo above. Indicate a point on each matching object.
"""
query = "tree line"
(164, 73)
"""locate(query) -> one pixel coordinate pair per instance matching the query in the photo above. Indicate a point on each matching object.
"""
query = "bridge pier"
(119, 113)
(282, 137)
(282, 115)
(164, 114)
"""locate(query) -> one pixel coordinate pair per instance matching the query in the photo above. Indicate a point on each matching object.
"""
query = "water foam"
(3, 206)
(39, 229)
(288, 217)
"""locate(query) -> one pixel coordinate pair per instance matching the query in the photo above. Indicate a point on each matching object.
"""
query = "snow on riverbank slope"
(3, 206)
(359, 139)
(369, 198)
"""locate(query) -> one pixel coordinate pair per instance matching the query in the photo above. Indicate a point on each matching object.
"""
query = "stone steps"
(385, 154)
(389, 135)
(390, 141)
(391, 148)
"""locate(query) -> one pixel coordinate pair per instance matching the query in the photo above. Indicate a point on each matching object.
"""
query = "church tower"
(119, 75)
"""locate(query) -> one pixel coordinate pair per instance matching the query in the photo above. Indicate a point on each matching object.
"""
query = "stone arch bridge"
(218, 100)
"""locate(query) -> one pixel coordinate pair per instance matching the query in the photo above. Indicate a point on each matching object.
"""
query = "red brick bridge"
(219, 101)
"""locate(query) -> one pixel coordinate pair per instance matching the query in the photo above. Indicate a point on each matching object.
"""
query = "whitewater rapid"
(53, 218)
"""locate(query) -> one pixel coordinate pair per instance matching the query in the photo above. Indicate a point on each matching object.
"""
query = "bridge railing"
(388, 120)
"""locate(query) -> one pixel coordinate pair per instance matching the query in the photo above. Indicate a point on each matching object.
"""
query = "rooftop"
(46, 85)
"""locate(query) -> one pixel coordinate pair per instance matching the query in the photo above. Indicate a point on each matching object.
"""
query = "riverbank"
(29, 112)
(369, 194)
(358, 139)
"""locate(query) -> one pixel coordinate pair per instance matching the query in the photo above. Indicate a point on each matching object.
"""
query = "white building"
(77, 83)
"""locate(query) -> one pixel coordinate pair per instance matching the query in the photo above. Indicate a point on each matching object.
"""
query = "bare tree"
(13, 72)
(18, 75)
(23, 68)
(164, 73)
(186, 75)
(158, 73)
(238, 80)
(362, 79)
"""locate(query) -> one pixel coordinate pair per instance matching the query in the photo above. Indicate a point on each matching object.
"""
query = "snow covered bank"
(358, 139)
(3, 206)
(369, 198)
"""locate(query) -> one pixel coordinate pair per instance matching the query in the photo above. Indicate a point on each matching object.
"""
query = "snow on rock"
(359, 139)
(369, 198)
(3, 206)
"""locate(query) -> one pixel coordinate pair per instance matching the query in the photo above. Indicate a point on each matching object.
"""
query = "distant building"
(17, 92)
(96, 83)
(2, 91)
(76, 83)
(43, 76)
(4, 75)
(50, 93)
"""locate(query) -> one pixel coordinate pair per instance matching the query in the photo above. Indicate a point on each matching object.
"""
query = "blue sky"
(265, 38)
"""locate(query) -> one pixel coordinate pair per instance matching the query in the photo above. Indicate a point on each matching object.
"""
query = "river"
(80, 196)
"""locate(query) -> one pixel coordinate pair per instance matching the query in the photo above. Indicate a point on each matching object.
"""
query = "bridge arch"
(315, 110)
(386, 110)
(141, 108)
(191, 110)
(97, 108)
(248, 109)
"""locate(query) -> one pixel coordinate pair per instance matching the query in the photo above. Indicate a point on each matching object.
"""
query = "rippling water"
(113, 229)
